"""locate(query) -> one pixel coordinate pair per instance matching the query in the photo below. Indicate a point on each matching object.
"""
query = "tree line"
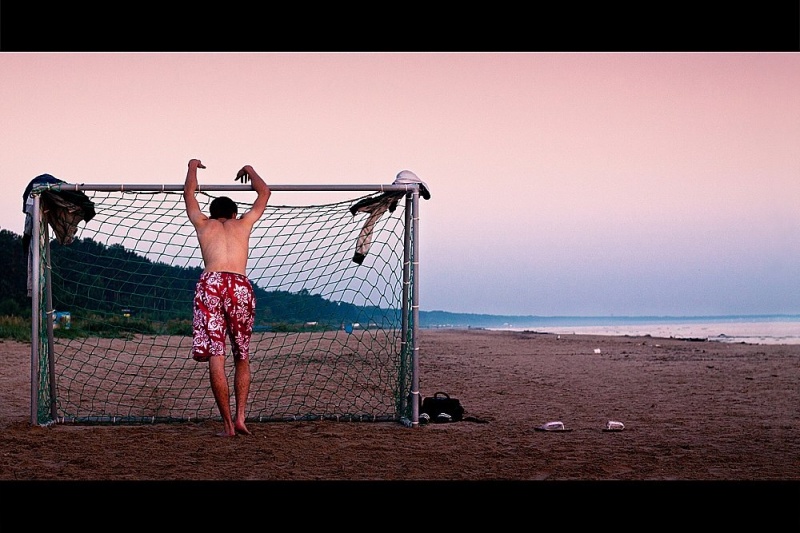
(89, 277)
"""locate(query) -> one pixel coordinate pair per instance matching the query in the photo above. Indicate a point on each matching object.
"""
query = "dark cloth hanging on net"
(376, 206)
(63, 210)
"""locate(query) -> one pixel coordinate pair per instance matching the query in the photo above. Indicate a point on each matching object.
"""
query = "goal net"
(334, 335)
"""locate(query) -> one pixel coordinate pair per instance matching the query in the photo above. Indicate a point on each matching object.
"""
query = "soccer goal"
(335, 334)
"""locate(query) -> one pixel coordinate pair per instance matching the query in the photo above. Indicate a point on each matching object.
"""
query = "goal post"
(337, 314)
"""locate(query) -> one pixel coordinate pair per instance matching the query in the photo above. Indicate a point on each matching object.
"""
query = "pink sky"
(563, 183)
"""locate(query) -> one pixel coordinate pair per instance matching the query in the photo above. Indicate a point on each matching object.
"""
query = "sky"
(562, 184)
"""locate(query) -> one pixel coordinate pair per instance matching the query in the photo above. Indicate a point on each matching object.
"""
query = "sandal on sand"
(552, 426)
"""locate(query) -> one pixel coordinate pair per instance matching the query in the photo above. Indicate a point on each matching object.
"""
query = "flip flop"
(613, 425)
(552, 426)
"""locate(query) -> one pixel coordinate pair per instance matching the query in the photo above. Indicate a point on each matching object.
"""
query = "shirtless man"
(224, 303)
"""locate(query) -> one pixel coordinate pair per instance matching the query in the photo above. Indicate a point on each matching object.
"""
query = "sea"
(750, 329)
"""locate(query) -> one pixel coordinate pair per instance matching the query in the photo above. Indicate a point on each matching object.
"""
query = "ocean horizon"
(750, 329)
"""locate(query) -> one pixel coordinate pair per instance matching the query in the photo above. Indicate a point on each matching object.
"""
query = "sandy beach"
(694, 411)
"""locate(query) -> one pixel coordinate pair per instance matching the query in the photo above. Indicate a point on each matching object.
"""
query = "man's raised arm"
(190, 188)
(261, 188)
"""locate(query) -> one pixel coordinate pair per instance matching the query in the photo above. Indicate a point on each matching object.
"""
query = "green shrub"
(179, 327)
(15, 328)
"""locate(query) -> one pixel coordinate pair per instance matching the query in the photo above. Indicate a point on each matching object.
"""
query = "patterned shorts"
(223, 304)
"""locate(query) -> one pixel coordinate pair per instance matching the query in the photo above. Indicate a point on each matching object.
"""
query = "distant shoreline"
(731, 331)
(443, 319)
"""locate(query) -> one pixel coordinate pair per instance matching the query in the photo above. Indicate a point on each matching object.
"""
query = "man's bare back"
(224, 244)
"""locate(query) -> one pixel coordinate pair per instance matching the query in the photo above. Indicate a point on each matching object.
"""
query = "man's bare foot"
(242, 430)
(225, 434)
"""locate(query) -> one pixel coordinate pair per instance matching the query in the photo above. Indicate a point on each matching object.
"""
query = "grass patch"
(15, 328)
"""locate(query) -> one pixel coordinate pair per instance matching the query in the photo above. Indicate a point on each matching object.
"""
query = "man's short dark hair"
(223, 207)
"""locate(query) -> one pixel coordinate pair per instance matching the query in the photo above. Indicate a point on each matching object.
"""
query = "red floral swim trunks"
(223, 304)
